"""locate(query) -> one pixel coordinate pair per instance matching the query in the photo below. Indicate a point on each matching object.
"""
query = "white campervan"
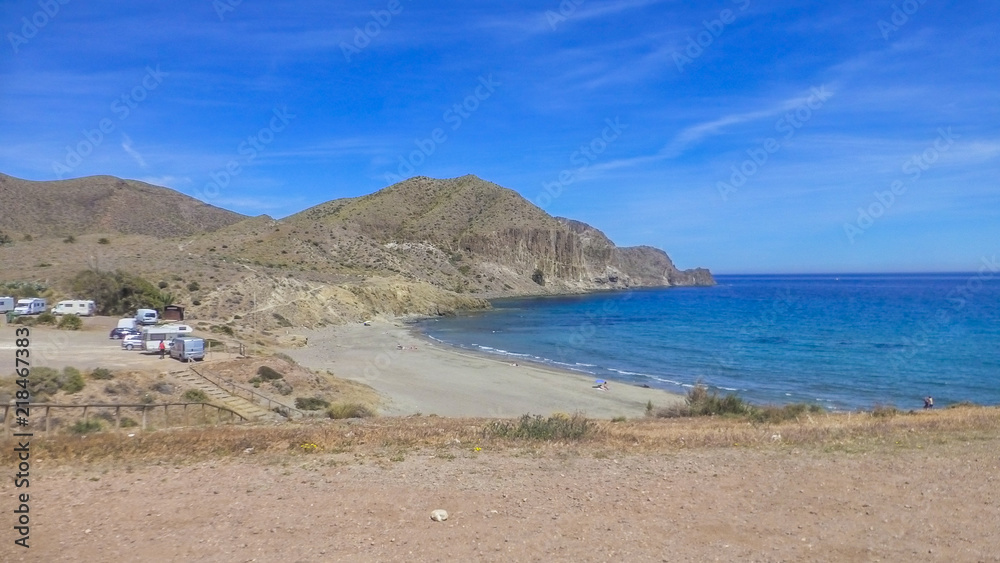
(33, 306)
(6, 304)
(146, 316)
(75, 307)
(153, 335)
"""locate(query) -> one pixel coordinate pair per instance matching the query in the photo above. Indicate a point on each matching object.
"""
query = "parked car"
(146, 316)
(122, 332)
(132, 342)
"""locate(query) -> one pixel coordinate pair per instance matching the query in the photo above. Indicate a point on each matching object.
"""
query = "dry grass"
(854, 432)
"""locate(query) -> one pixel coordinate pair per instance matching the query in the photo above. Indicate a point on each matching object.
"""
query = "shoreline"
(417, 374)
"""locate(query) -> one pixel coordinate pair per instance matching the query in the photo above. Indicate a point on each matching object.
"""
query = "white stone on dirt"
(439, 515)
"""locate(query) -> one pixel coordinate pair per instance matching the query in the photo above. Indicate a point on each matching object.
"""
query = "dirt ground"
(776, 503)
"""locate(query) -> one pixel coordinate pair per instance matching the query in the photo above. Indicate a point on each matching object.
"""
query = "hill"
(104, 204)
(422, 246)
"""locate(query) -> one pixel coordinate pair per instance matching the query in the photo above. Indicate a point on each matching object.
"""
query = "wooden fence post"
(144, 417)
(118, 418)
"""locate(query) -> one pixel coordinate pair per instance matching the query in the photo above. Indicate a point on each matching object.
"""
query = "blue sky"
(740, 135)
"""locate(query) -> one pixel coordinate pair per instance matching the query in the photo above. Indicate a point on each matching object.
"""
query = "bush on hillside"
(311, 403)
(349, 410)
(101, 373)
(70, 322)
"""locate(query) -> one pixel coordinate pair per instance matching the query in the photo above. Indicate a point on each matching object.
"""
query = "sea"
(845, 342)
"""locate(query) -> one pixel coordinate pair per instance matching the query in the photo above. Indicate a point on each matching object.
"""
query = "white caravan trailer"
(75, 307)
(153, 335)
(6, 304)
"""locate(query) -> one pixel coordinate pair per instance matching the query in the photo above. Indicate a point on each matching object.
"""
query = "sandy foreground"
(729, 504)
(432, 378)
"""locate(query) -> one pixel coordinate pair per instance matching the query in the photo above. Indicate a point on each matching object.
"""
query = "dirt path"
(563, 504)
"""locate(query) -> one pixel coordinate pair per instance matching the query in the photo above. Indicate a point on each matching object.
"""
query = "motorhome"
(153, 335)
(32, 306)
(6, 304)
(146, 316)
(187, 348)
(75, 307)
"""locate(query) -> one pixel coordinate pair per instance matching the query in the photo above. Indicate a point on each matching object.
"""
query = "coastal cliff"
(423, 246)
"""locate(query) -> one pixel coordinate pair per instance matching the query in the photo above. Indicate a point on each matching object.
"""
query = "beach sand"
(428, 377)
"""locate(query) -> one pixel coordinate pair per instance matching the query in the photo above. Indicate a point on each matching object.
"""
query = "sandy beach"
(418, 375)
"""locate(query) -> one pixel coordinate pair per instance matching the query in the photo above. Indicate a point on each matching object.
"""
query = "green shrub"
(268, 373)
(44, 382)
(127, 422)
(311, 403)
(162, 285)
(101, 373)
(70, 322)
(103, 240)
(70, 239)
(702, 402)
(349, 410)
(85, 427)
(195, 396)
(46, 318)
(540, 428)
(282, 321)
(193, 286)
(23, 320)
(282, 386)
(73, 381)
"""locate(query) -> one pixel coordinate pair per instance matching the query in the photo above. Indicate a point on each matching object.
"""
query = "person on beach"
(928, 402)
(163, 349)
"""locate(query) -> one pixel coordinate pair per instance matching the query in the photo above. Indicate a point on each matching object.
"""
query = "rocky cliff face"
(488, 240)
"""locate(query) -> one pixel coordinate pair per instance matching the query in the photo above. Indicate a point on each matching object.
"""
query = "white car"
(132, 342)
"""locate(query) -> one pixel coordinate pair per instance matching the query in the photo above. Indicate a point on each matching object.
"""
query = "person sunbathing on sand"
(601, 385)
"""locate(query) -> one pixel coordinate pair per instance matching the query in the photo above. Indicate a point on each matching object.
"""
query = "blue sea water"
(842, 341)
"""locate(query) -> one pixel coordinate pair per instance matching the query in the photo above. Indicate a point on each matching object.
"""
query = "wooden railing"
(220, 412)
(251, 395)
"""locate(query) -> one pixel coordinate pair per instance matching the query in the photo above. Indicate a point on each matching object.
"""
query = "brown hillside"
(104, 204)
(422, 246)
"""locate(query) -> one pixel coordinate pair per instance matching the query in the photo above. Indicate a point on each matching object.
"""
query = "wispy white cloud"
(696, 133)
(127, 147)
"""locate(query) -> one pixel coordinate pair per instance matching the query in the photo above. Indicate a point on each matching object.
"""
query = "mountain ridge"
(421, 246)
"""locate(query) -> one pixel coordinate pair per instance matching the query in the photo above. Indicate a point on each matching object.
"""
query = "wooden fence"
(222, 414)
(250, 394)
